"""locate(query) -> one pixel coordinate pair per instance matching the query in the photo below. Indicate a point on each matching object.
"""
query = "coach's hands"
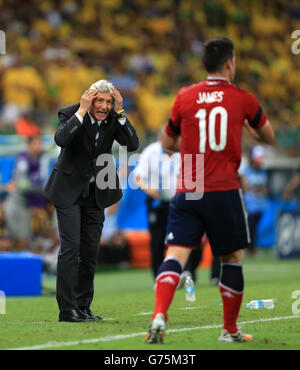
(88, 97)
(118, 100)
(86, 101)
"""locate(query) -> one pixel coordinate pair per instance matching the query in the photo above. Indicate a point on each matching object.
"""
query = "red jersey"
(209, 116)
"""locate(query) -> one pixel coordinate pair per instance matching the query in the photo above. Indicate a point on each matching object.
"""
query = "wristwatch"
(121, 114)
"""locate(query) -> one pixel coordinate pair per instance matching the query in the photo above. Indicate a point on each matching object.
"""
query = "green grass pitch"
(125, 298)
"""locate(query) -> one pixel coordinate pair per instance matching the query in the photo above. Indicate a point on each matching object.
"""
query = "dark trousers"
(193, 262)
(80, 228)
(253, 221)
(215, 268)
(158, 219)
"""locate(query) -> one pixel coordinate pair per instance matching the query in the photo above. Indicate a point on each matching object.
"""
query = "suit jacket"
(76, 163)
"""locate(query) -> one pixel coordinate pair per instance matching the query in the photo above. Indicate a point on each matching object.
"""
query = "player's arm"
(171, 142)
(243, 182)
(171, 139)
(257, 122)
(263, 134)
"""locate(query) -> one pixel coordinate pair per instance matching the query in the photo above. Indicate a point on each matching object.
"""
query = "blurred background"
(149, 50)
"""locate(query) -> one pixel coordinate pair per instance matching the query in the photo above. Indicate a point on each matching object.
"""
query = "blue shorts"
(221, 215)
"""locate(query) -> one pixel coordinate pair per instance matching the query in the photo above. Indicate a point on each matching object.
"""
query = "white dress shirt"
(93, 120)
(121, 120)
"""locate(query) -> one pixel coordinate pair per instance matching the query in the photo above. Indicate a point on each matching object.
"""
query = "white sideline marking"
(180, 308)
(144, 313)
(190, 308)
(125, 336)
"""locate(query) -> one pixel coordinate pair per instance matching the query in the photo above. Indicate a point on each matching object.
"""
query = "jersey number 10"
(201, 115)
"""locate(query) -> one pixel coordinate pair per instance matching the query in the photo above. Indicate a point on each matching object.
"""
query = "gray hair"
(102, 86)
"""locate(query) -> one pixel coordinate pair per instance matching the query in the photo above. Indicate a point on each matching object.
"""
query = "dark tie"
(96, 132)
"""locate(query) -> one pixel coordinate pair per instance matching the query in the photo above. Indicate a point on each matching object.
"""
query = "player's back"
(209, 117)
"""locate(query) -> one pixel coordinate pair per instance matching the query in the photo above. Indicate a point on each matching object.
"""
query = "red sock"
(166, 284)
(231, 307)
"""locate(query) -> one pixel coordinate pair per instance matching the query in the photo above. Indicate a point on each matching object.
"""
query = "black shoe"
(73, 316)
(87, 312)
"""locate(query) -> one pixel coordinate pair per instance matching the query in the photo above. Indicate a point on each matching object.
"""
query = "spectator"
(291, 188)
(254, 181)
(25, 126)
(22, 89)
(25, 197)
(114, 247)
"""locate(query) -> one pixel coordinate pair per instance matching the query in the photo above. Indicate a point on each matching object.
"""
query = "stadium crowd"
(149, 50)
(56, 49)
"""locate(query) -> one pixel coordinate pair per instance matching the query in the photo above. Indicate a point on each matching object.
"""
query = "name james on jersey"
(210, 97)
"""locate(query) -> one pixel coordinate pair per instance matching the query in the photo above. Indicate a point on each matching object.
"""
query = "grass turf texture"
(126, 298)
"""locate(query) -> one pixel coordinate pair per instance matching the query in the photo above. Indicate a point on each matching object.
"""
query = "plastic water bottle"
(263, 303)
(189, 287)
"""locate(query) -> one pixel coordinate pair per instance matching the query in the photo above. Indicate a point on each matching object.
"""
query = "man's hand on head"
(118, 100)
(86, 101)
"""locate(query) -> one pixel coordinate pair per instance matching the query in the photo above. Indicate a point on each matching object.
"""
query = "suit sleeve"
(254, 112)
(67, 128)
(173, 124)
(126, 136)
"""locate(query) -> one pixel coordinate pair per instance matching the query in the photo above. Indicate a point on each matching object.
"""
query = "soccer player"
(207, 119)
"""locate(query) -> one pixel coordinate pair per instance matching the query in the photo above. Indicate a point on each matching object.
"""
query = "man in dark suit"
(80, 193)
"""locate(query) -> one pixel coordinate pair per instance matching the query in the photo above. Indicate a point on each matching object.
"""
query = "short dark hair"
(216, 52)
